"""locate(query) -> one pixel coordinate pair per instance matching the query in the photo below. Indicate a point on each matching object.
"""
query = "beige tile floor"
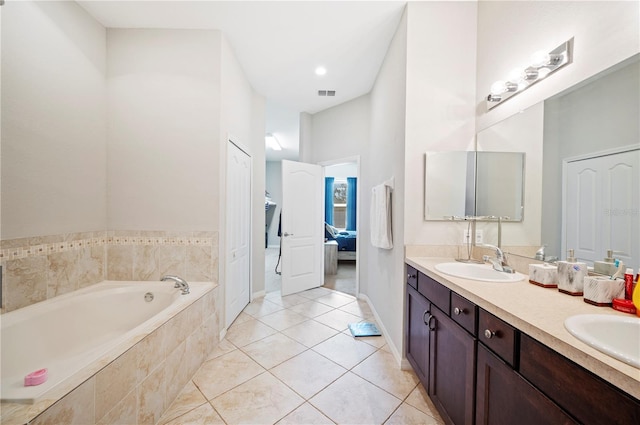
(292, 360)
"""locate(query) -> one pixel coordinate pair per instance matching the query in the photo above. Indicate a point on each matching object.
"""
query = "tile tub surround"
(540, 313)
(136, 382)
(38, 268)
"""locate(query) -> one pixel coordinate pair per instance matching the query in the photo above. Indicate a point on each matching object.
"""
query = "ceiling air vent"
(326, 92)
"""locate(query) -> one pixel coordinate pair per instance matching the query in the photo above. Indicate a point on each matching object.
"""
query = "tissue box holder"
(542, 275)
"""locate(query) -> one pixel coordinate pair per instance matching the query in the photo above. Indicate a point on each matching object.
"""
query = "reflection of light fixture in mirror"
(272, 142)
(519, 79)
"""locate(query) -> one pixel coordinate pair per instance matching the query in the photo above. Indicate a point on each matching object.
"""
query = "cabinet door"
(452, 369)
(418, 334)
(504, 397)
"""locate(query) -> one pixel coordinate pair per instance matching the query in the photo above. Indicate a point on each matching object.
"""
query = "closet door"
(238, 253)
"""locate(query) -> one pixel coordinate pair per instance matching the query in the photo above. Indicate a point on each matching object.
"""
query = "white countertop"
(540, 313)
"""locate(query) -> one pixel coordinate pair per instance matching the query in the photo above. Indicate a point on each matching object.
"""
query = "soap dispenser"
(571, 274)
(606, 266)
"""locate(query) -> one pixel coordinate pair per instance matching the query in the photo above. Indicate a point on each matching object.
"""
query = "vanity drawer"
(435, 292)
(464, 312)
(499, 336)
(412, 277)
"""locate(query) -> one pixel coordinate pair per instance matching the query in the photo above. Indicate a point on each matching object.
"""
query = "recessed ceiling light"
(321, 70)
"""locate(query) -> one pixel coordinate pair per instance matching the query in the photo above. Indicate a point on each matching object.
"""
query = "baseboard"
(223, 333)
(258, 294)
(394, 350)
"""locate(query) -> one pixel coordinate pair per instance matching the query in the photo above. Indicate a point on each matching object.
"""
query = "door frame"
(351, 159)
(565, 163)
(244, 148)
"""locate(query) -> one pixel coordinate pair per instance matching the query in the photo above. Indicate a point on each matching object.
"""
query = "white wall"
(605, 32)
(53, 120)
(342, 171)
(284, 123)
(243, 120)
(274, 187)
(441, 59)
(341, 131)
(381, 279)
(304, 147)
(164, 131)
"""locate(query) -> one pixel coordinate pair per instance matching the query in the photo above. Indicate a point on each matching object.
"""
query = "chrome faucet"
(180, 283)
(499, 262)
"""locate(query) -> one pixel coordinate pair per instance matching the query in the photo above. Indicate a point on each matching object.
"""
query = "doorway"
(341, 225)
(345, 278)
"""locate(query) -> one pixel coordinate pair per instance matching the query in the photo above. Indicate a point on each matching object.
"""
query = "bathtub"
(72, 333)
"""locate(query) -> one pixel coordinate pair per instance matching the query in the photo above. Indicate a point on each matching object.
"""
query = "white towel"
(381, 217)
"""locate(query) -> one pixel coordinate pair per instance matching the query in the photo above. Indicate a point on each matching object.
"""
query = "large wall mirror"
(471, 184)
(588, 171)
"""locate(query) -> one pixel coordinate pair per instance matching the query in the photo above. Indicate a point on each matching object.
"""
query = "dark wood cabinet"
(418, 333)
(479, 369)
(505, 397)
(441, 351)
(452, 369)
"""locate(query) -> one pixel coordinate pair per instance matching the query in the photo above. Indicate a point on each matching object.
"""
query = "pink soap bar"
(36, 378)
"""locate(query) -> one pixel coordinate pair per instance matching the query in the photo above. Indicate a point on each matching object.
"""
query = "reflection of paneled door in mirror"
(602, 204)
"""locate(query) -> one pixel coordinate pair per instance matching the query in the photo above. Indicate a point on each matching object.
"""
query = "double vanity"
(493, 351)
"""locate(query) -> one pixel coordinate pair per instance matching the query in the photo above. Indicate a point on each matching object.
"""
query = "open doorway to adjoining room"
(340, 221)
(341, 225)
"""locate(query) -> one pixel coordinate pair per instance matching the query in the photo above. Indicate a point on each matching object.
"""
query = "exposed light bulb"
(516, 75)
(321, 70)
(543, 72)
(498, 87)
(540, 58)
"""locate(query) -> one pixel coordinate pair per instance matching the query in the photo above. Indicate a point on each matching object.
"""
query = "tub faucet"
(180, 283)
(499, 263)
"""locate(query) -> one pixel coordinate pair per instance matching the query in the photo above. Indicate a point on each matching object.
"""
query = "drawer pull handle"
(432, 325)
(458, 311)
(411, 276)
(488, 333)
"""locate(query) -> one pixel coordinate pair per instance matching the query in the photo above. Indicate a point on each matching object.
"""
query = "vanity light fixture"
(542, 64)
(272, 142)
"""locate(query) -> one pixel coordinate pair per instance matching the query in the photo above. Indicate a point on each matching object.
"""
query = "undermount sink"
(615, 336)
(482, 272)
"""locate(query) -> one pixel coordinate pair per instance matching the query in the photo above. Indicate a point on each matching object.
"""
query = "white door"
(302, 227)
(238, 253)
(602, 204)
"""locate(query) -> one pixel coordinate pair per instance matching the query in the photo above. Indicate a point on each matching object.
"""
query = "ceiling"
(279, 44)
